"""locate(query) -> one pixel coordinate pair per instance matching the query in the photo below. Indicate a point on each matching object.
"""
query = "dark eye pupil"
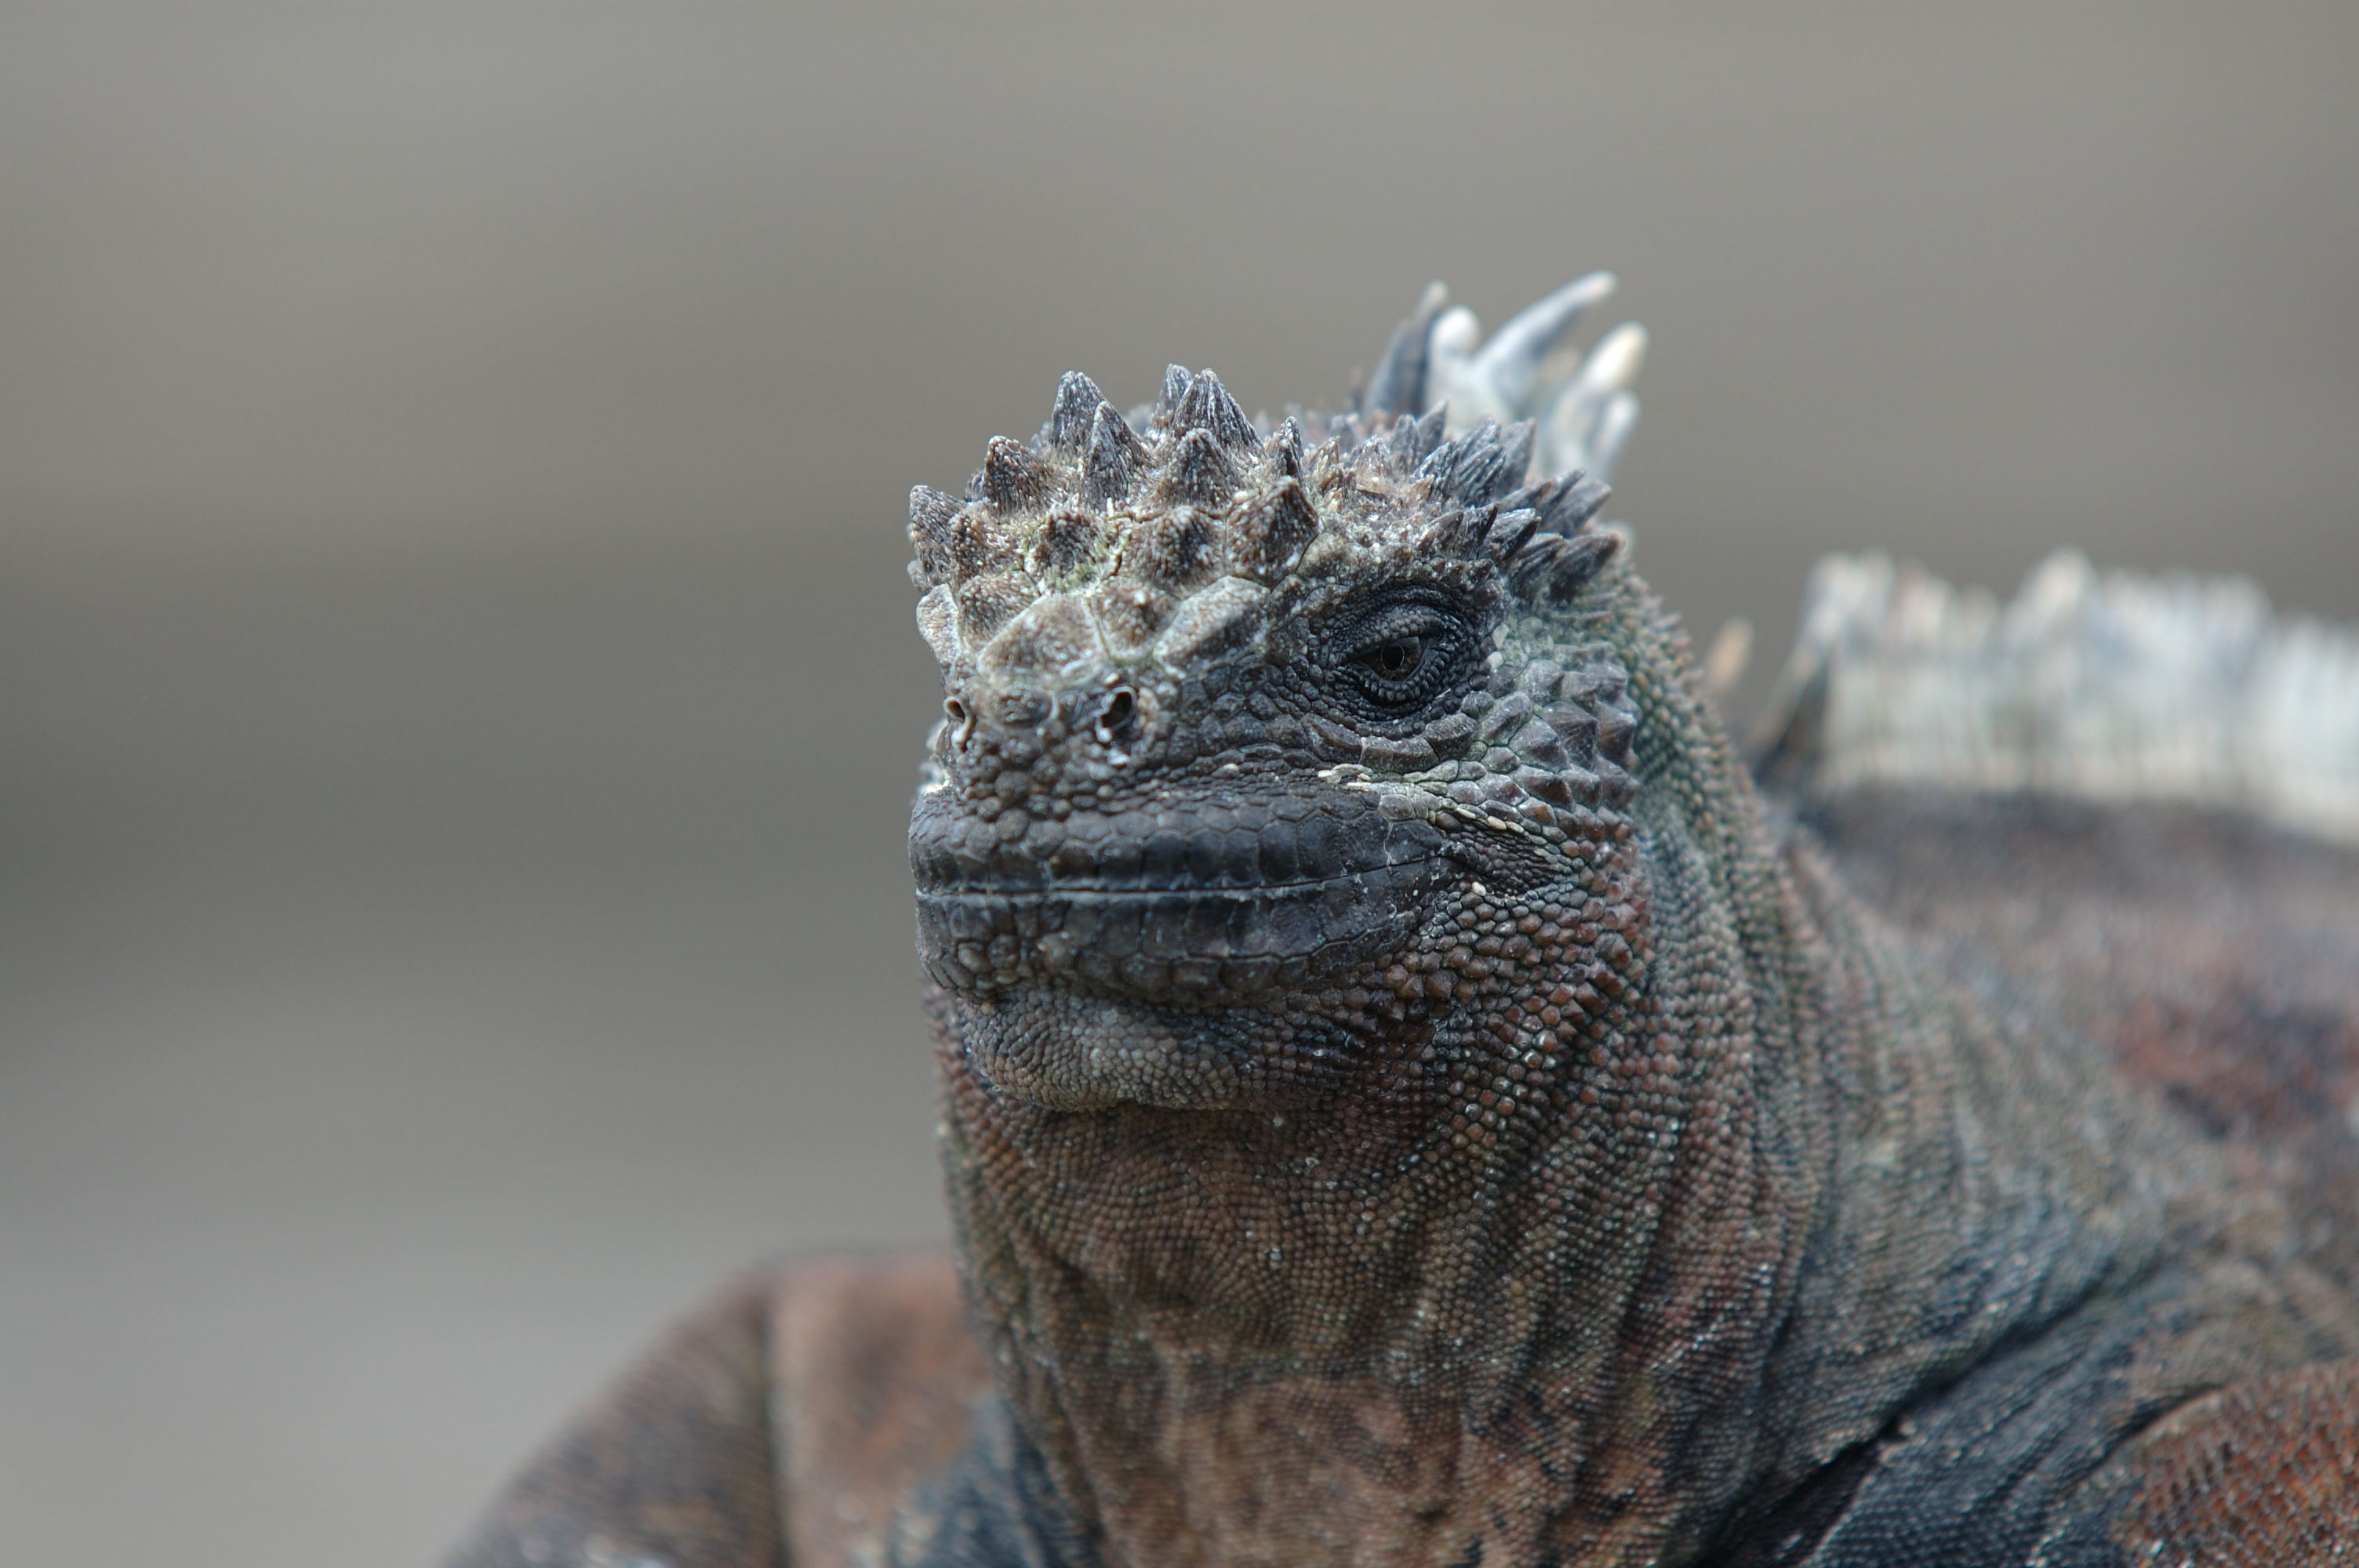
(1397, 659)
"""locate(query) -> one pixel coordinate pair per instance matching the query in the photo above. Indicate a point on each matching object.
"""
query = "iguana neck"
(1537, 1275)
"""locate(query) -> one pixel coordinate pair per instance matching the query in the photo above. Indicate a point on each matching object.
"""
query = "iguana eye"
(1397, 660)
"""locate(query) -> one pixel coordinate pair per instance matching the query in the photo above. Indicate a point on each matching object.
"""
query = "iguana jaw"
(1173, 956)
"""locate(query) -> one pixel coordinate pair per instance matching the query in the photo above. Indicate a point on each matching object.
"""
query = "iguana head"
(1325, 870)
(1243, 717)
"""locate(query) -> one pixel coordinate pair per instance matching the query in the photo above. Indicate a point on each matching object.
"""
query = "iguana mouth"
(1203, 900)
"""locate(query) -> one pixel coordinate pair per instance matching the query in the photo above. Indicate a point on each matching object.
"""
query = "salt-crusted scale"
(1112, 558)
(1122, 541)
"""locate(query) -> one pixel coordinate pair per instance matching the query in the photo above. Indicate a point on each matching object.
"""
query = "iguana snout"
(1141, 954)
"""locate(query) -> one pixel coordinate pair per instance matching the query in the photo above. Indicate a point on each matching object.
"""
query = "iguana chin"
(1410, 1098)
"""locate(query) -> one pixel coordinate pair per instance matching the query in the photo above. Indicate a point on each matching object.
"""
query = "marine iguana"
(1410, 1095)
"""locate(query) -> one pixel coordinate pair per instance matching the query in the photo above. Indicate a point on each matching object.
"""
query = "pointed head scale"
(1129, 519)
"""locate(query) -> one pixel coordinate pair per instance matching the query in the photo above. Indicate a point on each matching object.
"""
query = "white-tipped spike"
(1508, 367)
(1613, 428)
(1592, 418)
(1613, 364)
(1449, 353)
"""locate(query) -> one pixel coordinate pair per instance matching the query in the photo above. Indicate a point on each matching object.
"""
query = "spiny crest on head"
(1075, 413)
(1127, 527)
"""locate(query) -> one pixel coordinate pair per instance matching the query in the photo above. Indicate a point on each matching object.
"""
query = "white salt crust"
(2105, 685)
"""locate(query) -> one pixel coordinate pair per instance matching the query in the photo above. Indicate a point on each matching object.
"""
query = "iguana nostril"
(1114, 718)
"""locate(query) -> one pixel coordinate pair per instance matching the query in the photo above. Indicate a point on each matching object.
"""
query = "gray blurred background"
(458, 697)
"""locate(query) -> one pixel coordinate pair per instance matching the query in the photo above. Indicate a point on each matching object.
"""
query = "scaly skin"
(1410, 1102)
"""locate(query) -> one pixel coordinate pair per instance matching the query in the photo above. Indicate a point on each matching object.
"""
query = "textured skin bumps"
(2266, 1472)
(1410, 1098)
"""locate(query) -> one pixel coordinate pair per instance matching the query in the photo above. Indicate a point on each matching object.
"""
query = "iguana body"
(1409, 1100)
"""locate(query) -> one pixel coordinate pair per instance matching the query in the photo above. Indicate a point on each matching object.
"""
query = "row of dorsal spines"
(1203, 490)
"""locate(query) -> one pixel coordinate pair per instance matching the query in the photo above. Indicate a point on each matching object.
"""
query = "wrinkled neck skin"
(1500, 1248)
